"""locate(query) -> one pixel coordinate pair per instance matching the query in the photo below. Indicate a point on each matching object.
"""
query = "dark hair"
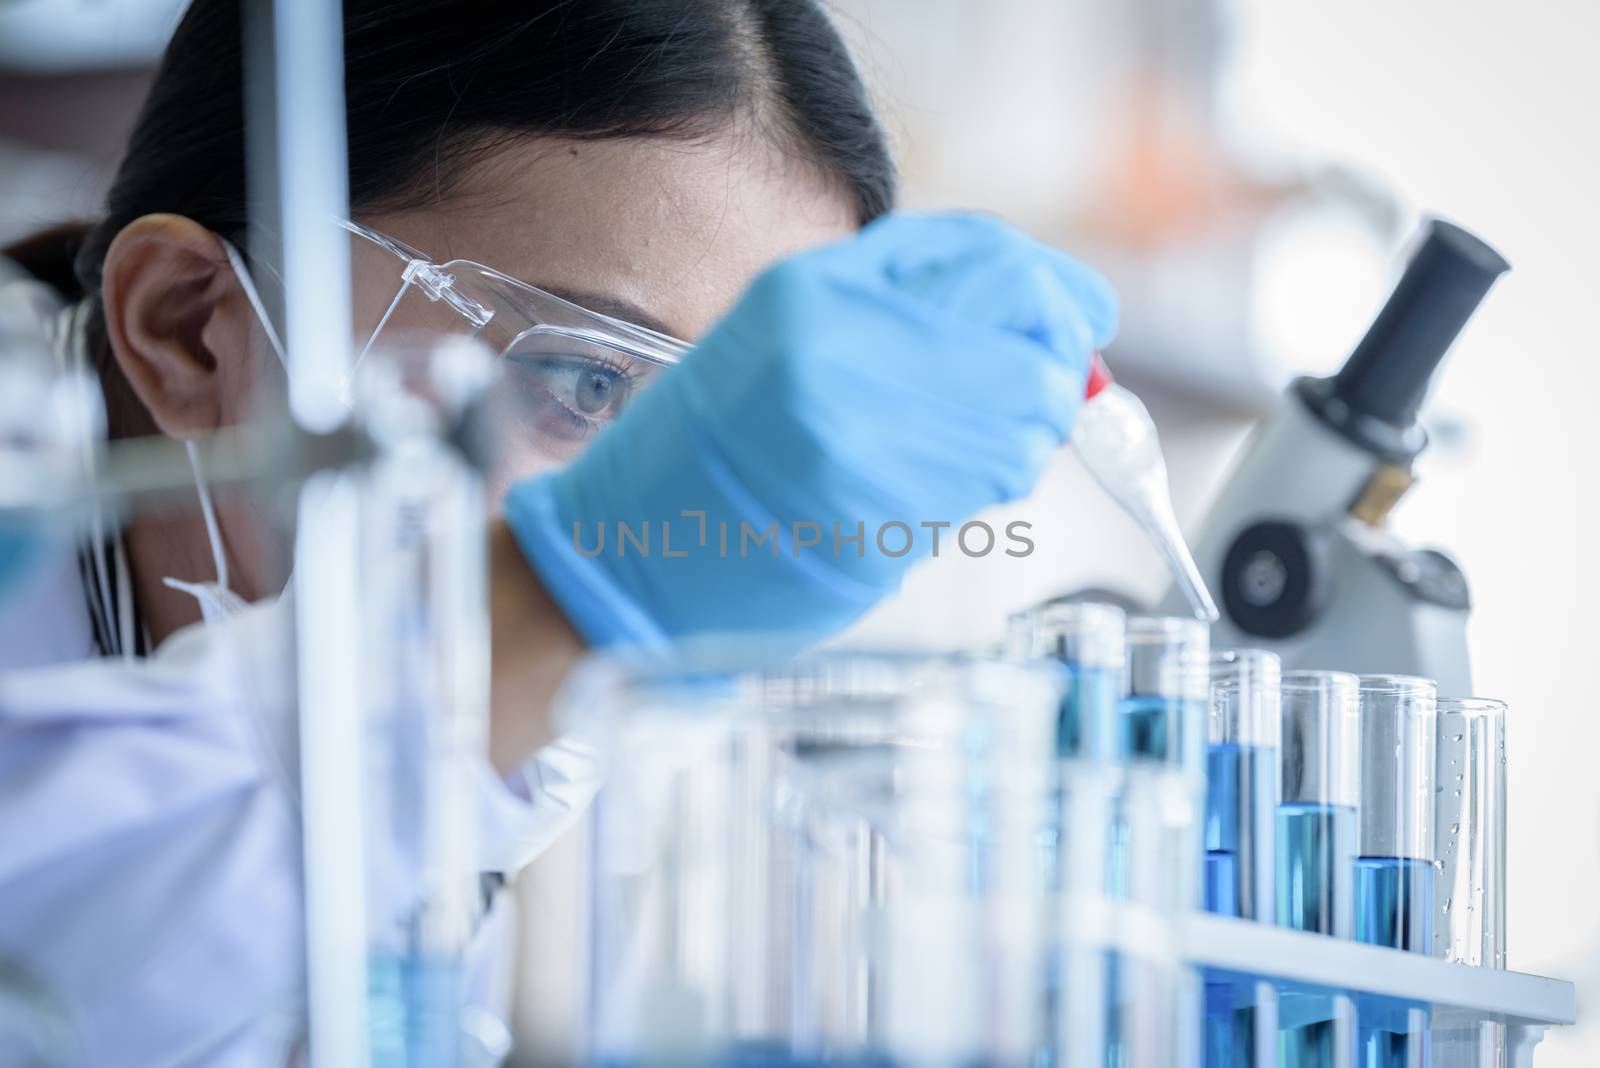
(432, 84)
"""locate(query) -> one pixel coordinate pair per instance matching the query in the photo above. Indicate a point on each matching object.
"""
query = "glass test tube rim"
(1103, 626)
(1304, 678)
(1154, 627)
(1470, 706)
(1190, 637)
(1390, 685)
(1338, 694)
(1256, 722)
(801, 693)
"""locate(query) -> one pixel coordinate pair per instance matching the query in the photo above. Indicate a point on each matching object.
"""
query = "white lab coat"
(150, 882)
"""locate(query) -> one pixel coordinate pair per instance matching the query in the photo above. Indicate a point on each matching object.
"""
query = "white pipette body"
(1116, 440)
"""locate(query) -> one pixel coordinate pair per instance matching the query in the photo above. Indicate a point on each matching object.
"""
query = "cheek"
(517, 463)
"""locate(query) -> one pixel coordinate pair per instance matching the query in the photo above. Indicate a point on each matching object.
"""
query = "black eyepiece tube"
(1387, 375)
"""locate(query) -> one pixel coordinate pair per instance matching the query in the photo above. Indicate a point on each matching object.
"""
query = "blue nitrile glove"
(915, 373)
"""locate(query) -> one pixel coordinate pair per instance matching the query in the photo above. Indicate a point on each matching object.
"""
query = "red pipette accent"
(1099, 377)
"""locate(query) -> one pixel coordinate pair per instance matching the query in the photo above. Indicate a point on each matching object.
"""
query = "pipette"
(1116, 440)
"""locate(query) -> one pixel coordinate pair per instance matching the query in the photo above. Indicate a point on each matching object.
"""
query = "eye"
(596, 390)
(585, 387)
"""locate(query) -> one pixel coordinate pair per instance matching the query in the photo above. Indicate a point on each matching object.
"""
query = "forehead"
(676, 228)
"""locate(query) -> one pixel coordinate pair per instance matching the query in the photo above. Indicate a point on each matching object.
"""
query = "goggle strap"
(373, 337)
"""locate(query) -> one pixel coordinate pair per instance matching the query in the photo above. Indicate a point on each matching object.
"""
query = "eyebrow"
(616, 307)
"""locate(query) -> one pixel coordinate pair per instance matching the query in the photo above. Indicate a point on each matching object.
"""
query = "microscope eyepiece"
(1375, 397)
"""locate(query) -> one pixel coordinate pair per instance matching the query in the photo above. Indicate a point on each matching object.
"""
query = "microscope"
(1295, 546)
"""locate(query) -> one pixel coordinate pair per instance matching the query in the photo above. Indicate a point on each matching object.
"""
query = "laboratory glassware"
(425, 689)
(1316, 852)
(833, 859)
(1163, 718)
(1153, 997)
(1090, 641)
(1116, 439)
(1243, 730)
(1469, 905)
(1163, 715)
(1242, 767)
(1395, 866)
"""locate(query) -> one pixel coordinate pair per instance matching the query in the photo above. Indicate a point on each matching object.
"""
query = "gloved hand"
(915, 373)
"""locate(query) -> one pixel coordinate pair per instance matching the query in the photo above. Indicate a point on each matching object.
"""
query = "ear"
(178, 324)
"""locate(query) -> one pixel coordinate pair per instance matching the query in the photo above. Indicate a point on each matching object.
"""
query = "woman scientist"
(700, 169)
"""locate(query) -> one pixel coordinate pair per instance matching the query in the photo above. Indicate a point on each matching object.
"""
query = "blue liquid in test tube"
(1316, 854)
(1242, 728)
(1163, 722)
(414, 1008)
(1088, 713)
(1395, 872)
(1152, 727)
(1241, 795)
(1163, 718)
(1090, 641)
(1316, 893)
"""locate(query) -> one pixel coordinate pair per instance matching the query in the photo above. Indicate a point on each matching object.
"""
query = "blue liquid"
(1162, 728)
(1222, 883)
(1316, 846)
(1315, 1029)
(414, 1011)
(1241, 798)
(1087, 727)
(1394, 903)
(1241, 1021)
(1394, 908)
(1316, 868)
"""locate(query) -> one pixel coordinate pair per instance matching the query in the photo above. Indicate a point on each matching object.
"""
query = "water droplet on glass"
(1457, 738)
(1455, 828)
(1447, 904)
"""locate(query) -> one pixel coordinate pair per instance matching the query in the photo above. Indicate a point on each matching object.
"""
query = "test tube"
(1243, 730)
(838, 859)
(1151, 997)
(424, 653)
(1090, 640)
(1394, 872)
(1316, 852)
(1163, 720)
(1469, 909)
(1163, 716)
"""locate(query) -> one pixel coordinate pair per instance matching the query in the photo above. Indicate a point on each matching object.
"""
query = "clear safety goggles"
(567, 371)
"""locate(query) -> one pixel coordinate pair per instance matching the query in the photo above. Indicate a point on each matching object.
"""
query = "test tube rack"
(1527, 1005)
